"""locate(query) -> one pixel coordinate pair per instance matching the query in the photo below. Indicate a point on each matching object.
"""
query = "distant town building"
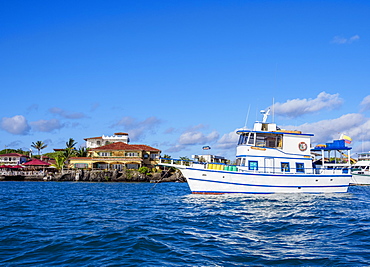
(115, 155)
(103, 140)
(12, 159)
(209, 158)
(364, 156)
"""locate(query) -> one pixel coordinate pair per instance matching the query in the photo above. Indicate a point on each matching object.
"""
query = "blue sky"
(178, 75)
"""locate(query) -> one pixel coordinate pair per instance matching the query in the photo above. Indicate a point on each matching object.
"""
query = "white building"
(12, 159)
(209, 158)
(103, 140)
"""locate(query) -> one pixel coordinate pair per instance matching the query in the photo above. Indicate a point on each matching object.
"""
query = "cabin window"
(243, 162)
(269, 140)
(252, 165)
(260, 140)
(251, 139)
(241, 137)
(299, 167)
(285, 167)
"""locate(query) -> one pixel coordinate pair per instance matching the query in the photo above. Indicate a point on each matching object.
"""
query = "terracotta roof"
(121, 133)
(147, 148)
(124, 146)
(36, 162)
(12, 155)
(100, 137)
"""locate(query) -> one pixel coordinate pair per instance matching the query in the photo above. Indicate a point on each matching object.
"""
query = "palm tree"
(39, 145)
(82, 152)
(70, 150)
(59, 162)
(71, 143)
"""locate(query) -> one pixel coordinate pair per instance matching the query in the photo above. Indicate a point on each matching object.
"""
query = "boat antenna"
(246, 119)
(265, 115)
(273, 110)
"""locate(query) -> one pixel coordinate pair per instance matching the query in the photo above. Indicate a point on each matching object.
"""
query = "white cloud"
(298, 107)
(196, 138)
(366, 103)
(354, 125)
(137, 129)
(46, 125)
(228, 141)
(175, 148)
(67, 115)
(343, 40)
(15, 125)
(363, 146)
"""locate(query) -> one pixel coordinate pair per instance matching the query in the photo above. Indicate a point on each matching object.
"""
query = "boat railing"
(181, 163)
(177, 162)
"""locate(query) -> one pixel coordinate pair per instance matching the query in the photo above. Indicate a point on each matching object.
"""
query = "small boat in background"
(361, 170)
(271, 160)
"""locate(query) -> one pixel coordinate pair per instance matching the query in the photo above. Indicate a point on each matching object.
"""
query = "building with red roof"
(117, 156)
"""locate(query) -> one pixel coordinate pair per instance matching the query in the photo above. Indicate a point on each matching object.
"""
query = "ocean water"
(142, 224)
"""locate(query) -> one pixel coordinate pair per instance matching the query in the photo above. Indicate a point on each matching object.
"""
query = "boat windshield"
(261, 140)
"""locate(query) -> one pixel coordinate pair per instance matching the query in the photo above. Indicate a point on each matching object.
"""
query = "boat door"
(269, 165)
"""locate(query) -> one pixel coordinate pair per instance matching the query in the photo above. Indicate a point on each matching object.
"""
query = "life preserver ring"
(302, 146)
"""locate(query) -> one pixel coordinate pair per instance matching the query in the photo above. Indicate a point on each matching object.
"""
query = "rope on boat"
(162, 177)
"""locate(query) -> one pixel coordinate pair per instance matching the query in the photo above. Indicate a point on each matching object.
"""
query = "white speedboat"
(270, 160)
(361, 170)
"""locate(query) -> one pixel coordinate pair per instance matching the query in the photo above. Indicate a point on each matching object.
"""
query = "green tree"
(71, 143)
(82, 152)
(39, 145)
(185, 160)
(68, 152)
(144, 170)
(59, 162)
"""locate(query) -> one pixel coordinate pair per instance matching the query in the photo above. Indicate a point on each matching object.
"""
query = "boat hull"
(205, 181)
(360, 179)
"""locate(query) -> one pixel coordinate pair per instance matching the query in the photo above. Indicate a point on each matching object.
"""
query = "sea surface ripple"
(142, 224)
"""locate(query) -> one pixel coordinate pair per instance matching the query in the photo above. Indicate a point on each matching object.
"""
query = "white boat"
(269, 160)
(361, 170)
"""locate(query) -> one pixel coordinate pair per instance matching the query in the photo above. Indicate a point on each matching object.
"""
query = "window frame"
(285, 168)
(250, 165)
(300, 168)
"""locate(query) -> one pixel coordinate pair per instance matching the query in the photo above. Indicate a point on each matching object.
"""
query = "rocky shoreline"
(100, 176)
